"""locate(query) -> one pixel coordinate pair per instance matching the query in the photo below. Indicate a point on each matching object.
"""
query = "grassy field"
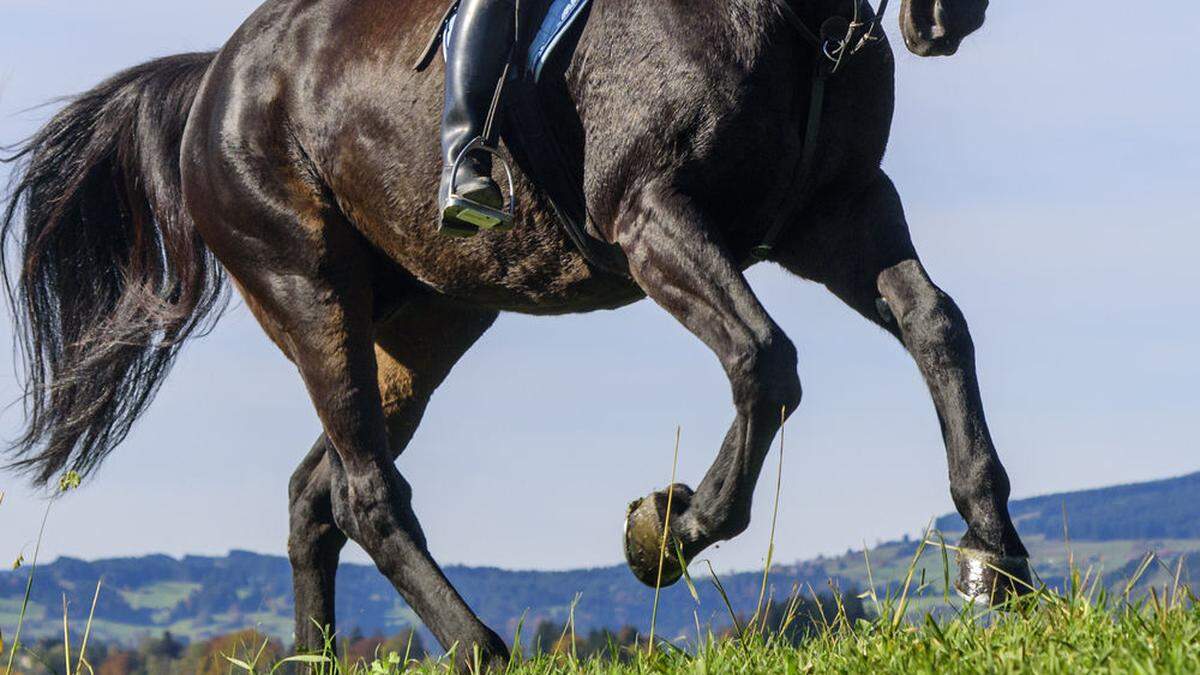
(1083, 631)
(1141, 618)
(1082, 626)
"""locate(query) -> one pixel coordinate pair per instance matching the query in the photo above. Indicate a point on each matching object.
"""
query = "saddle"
(541, 128)
(537, 119)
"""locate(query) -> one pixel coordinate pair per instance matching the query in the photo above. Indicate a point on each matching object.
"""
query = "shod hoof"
(644, 537)
(987, 578)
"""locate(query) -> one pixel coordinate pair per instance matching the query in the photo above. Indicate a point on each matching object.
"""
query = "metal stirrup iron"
(472, 212)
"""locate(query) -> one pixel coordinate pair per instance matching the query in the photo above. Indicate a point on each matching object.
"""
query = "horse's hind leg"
(674, 256)
(314, 544)
(415, 349)
(310, 272)
(867, 259)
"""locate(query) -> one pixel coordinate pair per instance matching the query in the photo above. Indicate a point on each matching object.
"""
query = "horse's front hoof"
(987, 578)
(644, 537)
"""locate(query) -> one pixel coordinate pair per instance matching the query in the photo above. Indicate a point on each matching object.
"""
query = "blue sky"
(1049, 171)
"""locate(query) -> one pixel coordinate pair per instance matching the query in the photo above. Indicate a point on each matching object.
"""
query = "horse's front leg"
(674, 255)
(864, 254)
(992, 560)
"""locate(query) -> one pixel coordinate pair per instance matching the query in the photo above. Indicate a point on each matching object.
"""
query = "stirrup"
(462, 216)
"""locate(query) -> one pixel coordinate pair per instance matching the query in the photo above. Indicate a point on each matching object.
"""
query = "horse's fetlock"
(986, 483)
(730, 525)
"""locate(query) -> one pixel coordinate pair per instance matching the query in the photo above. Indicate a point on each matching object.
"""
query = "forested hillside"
(198, 597)
(1162, 509)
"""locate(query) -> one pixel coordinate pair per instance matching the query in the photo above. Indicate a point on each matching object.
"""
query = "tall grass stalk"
(902, 606)
(66, 637)
(762, 592)
(662, 549)
(87, 630)
(37, 549)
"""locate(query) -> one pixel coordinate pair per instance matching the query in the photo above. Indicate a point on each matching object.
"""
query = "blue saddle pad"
(560, 17)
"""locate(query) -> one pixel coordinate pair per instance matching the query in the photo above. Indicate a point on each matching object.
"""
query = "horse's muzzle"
(937, 27)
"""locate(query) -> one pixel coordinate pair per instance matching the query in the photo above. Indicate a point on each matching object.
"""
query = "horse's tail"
(103, 267)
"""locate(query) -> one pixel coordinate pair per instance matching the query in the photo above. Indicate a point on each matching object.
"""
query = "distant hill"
(1161, 509)
(198, 597)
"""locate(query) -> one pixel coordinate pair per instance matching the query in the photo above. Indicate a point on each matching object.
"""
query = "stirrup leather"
(461, 214)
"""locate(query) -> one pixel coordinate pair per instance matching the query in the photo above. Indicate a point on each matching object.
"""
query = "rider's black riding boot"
(476, 55)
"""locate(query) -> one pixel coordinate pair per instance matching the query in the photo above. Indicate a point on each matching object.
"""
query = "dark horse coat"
(303, 160)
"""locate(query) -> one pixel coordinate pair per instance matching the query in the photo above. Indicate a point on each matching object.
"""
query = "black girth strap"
(838, 40)
(785, 8)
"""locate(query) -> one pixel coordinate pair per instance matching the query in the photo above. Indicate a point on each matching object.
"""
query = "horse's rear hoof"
(644, 537)
(484, 655)
(986, 578)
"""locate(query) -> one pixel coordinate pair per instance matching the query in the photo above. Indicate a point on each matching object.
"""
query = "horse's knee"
(313, 535)
(372, 505)
(314, 539)
(764, 376)
(930, 322)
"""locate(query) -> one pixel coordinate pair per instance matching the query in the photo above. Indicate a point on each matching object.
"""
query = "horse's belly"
(534, 269)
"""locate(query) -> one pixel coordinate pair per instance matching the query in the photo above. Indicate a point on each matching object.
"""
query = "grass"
(1081, 629)
(916, 628)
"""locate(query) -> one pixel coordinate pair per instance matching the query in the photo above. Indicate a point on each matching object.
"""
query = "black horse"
(304, 158)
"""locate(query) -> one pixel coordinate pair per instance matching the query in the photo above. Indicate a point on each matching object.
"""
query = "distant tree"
(554, 638)
(407, 641)
(209, 658)
(165, 647)
(120, 662)
(363, 649)
(546, 637)
(609, 644)
(799, 618)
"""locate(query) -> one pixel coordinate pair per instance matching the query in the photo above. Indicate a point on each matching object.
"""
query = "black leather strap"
(808, 157)
(435, 40)
(785, 8)
(838, 32)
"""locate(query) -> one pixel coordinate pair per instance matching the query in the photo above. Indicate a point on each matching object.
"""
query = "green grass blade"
(87, 629)
(662, 549)
(762, 591)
